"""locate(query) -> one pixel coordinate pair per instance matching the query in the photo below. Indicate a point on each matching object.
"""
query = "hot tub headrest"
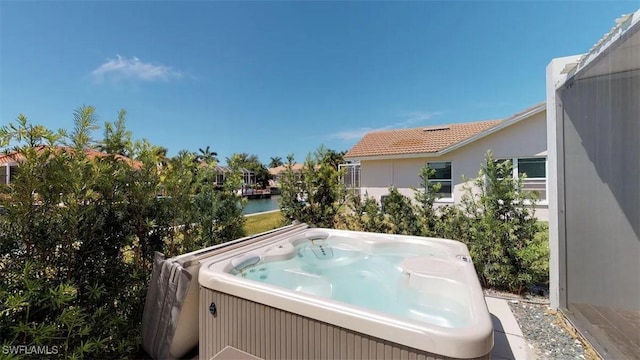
(245, 260)
(316, 235)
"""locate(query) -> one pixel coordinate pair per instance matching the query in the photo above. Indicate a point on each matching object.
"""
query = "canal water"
(259, 205)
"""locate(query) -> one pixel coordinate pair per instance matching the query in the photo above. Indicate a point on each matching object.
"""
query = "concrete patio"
(509, 343)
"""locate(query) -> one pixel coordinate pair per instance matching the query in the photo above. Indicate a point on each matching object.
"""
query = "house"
(221, 174)
(8, 169)
(10, 161)
(248, 176)
(395, 157)
(593, 117)
(276, 173)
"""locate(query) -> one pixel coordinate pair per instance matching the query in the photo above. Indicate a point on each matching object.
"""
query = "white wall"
(523, 139)
(554, 77)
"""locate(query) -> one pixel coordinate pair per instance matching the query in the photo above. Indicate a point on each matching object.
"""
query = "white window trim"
(445, 200)
(514, 162)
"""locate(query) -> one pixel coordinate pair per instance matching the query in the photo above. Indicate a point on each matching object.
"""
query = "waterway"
(260, 205)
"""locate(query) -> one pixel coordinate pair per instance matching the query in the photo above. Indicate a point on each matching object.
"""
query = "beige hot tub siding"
(526, 138)
(271, 333)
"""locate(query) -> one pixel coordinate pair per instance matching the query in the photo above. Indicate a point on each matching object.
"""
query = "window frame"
(443, 199)
(4, 174)
(516, 174)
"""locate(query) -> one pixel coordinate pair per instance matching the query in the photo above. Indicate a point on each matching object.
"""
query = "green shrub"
(425, 198)
(494, 219)
(498, 224)
(79, 233)
(365, 215)
(400, 213)
(316, 195)
(218, 213)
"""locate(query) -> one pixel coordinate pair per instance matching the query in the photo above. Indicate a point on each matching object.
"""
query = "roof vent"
(437, 128)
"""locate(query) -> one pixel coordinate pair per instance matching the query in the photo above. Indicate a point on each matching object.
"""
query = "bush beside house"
(80, 229)
(497, 223)
(80, 226)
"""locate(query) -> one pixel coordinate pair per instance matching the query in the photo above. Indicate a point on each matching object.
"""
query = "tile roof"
(10, 158)
(417, 140)
(15, 156)
(282, 168)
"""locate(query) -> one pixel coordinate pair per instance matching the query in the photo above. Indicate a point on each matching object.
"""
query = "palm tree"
(207, 155)
(275, 162)
(334, 158)
(160, 153)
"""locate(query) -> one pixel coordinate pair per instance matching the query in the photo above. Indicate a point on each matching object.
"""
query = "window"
(3, 174)
(248, 177)
(8, 173)
(351, 176)
(219, 178)
(442, 176)
(13, 172)
(535, 170)
(383, 200)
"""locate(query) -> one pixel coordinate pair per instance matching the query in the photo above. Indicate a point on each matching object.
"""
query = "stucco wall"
(527, 138)
(595, 237)
(602, 197)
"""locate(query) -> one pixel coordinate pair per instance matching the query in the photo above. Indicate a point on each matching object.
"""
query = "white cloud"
(410, 119)
(122, 68)
(415, 117)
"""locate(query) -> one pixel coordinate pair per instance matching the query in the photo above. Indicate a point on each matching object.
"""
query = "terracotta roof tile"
(417, 140)
(91, 154)
(10, 158)
(282, 168)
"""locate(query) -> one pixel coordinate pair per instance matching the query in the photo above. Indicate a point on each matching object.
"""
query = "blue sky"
(274, 78)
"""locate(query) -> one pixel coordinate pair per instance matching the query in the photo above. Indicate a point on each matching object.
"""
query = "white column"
(555, 79)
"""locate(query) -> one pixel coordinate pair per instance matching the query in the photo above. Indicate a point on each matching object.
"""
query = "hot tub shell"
(271, 322)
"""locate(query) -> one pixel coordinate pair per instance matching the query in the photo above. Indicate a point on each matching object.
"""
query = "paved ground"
(509, 343)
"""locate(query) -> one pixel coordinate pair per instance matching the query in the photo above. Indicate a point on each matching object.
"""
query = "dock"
(256, 193)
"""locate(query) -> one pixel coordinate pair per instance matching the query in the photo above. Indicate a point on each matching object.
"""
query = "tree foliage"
(117, 139)
(275, 162)
(207, 156)
(364, 215)
(425, 197)
(76, 217)
(495, 219)
(251, 163)
(400, 212)
(316, 194)
(497, 222)
(333, 157)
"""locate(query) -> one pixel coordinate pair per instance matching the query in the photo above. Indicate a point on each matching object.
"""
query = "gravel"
(547, 333)
(544, 331)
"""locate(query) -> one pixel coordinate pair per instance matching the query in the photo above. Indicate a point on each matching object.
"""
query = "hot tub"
(326, 293)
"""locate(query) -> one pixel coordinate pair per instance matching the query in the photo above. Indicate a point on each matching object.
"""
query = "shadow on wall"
(609, 130)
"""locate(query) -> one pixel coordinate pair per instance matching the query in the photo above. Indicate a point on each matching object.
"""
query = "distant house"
(221, 174)
(10, 162)
(248, 176)
(395, 157)
(276, 173)
(593, 114)
(8, 169)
